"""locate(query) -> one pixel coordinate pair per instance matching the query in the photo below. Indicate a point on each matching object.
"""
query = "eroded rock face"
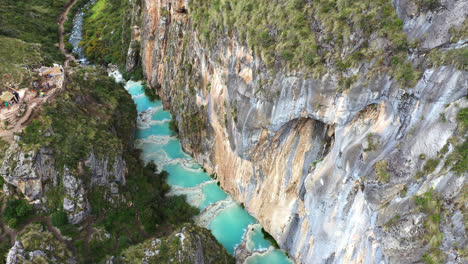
(431, 27)
(35, 173)
(134, 47)
(300, 153)
(28, 170)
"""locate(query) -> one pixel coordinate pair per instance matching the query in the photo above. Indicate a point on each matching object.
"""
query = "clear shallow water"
(255, 240)
(230, 225)
(229, 222)
(143, 103)
(211, 194)
(157, 130)
(76, 33)
(161, 116)
(183, 177)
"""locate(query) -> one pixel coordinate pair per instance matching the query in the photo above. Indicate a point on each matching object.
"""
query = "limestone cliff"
(338, 165)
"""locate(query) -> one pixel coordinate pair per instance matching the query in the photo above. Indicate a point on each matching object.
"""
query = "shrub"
(59, 218)
(173, 127)
(178, 211)
(430, 165)
(17, 211)
(371, 145)
(462, 116)
(151, 93)
(281, 32)
(430, 204)
(381, 171)
(270, 238)
(107, 34)
(461, 158)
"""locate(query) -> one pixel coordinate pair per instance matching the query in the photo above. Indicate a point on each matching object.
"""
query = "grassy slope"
(34, 21)
(28, 37)
(16, 56)
(107, 33)
(281, 31)
(315, 36)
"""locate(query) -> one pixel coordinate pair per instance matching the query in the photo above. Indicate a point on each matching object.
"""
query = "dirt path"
(61, 20)
(46, 220)
(33, 105)
(12, 233)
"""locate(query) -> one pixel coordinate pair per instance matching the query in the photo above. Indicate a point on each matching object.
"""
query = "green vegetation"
(149, 207)
(282, 32)
(81, 120)
(418, 175)
(430, 165)
(462, 116)
(269, 238)
(461, 202)
(106, 34)
(430, 204)
(3, 148)
(381, 172)
(16, 57)
(5, 246)
(392, 222)
(371, 145)
(59, 219)
(151, 93)
(17, 211)
(36, 237)
(455, 57)
(136, 74)
(33, 21)
(404, 191)
(458, 159)
(460, 33)
(96, 115)
(171, 247)
(173, 127)
(442, 116)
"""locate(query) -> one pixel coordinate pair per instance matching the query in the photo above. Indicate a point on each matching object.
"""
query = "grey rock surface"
(300, 153)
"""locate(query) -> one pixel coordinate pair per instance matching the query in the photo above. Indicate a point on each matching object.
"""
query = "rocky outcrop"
(36, 245)
(28, 170)
(188, 244)
(431, 28)
(35, 173)
(325, 170)
(133, 53)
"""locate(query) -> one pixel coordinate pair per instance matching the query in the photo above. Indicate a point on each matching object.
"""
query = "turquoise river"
(227, 220)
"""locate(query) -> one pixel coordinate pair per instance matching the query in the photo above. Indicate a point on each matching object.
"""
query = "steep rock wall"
(302, 154)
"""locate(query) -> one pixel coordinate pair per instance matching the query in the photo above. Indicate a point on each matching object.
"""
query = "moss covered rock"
(188, 244)
(37, 245)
